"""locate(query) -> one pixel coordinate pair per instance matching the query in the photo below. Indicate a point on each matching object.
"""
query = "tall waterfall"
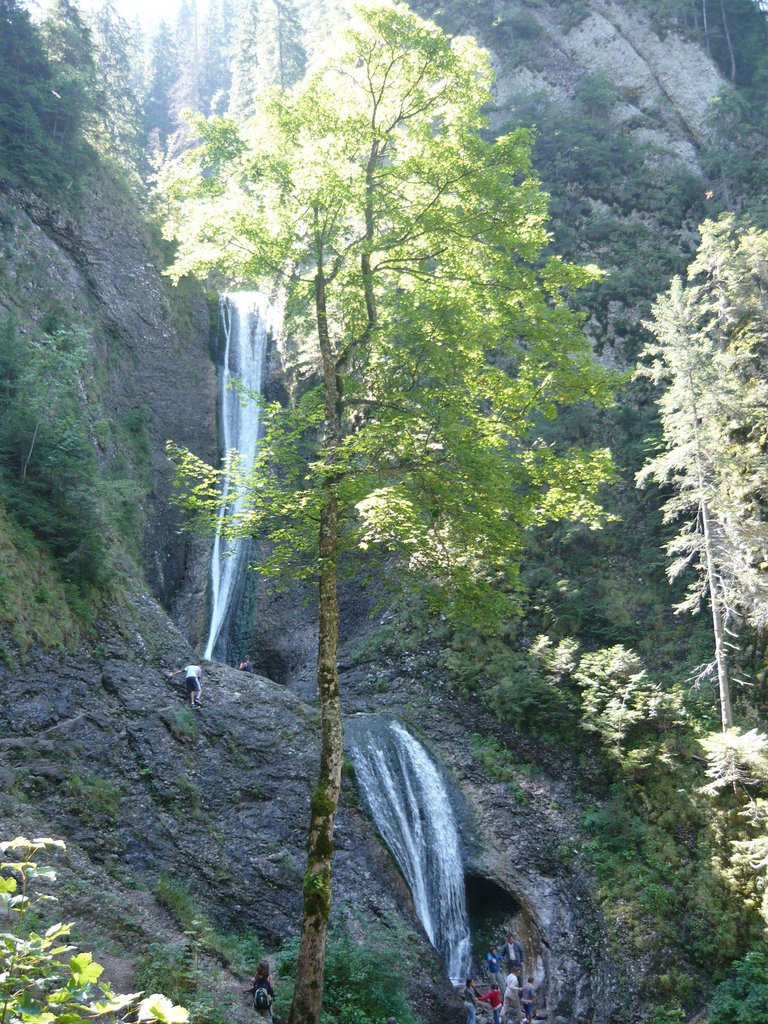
(407, 798)
(247, 319)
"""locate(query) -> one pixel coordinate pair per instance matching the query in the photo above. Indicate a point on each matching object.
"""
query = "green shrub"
(168, 967)
(183, 725)
(97, 798)
(743, 997)
(364, 981)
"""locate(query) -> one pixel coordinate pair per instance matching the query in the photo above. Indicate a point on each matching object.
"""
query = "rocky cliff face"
(150, 347)
(666, 83)
(101, 749)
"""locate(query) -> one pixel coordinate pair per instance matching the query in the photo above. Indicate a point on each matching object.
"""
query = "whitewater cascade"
(407, 798)
(247, 320)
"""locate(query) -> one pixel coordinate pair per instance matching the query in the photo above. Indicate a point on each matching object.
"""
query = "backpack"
(261, 999)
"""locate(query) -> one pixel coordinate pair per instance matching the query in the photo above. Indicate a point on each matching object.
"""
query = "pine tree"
(69, 47)
(162, 74)
(247, 75)
(283, 58)
(216, 59)
(707, 355)
(27, 101)
(186, 92)
(116, 56)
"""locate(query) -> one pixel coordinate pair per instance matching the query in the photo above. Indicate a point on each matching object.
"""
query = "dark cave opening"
(492, 913)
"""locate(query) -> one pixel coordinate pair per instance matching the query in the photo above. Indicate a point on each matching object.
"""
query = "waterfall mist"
(247, 320)
(407, 798)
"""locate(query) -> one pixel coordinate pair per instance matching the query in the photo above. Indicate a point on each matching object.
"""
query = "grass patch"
(240, 950)
(97, 799)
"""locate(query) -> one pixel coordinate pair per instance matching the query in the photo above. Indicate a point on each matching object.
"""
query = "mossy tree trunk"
(307, 1003)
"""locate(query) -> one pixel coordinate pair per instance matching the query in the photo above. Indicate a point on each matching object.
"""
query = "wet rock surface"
(525, 839)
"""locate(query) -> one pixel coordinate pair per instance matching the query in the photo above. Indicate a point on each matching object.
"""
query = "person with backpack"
(246, 665)
(263, 993)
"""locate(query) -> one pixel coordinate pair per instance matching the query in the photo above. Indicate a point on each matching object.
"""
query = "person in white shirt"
(193, 679)
(511, 1009)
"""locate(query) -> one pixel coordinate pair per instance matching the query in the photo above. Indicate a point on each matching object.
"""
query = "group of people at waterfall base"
(510, 998)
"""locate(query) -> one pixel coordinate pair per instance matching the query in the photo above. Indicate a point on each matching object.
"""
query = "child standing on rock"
(526, 1000)
(493, 998)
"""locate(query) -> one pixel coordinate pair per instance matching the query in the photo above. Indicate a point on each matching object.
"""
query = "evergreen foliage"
(161, 75)
(45, 83)
(119, 114)
(708, 352)
(743, 997)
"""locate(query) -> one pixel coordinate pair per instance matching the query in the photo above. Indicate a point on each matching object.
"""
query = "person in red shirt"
(494, 999)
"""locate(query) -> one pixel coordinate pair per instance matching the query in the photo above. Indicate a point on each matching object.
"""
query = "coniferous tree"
(187, 90)
(117, 55)
(708, 354)
(69, 47)
(282, 59)
(216, 58)
(162, 75)
(247, 76)
(27, 100)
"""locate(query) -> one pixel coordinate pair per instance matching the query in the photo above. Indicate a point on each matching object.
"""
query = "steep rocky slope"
(150, 362)
(666, 83)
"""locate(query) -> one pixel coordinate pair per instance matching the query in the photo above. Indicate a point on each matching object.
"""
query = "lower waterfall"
(406, 796)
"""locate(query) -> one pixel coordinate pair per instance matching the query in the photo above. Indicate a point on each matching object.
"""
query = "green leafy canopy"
(372, 196)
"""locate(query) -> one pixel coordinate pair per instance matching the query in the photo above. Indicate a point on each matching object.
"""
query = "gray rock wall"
(666, 83)
(150, 353)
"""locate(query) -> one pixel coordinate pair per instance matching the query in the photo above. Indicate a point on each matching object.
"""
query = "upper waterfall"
(407, 798)
(247, 319)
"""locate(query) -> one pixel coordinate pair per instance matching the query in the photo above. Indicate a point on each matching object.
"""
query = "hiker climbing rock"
(193, 676)
(262, 991)
(246, 665)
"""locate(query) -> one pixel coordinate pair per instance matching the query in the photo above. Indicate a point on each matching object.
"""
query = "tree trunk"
(721, 655)
(706, 26)
(308, 995)
(728, 41)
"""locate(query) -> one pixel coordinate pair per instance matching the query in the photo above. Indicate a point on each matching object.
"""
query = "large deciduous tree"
(411, 249)
(709, 354)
